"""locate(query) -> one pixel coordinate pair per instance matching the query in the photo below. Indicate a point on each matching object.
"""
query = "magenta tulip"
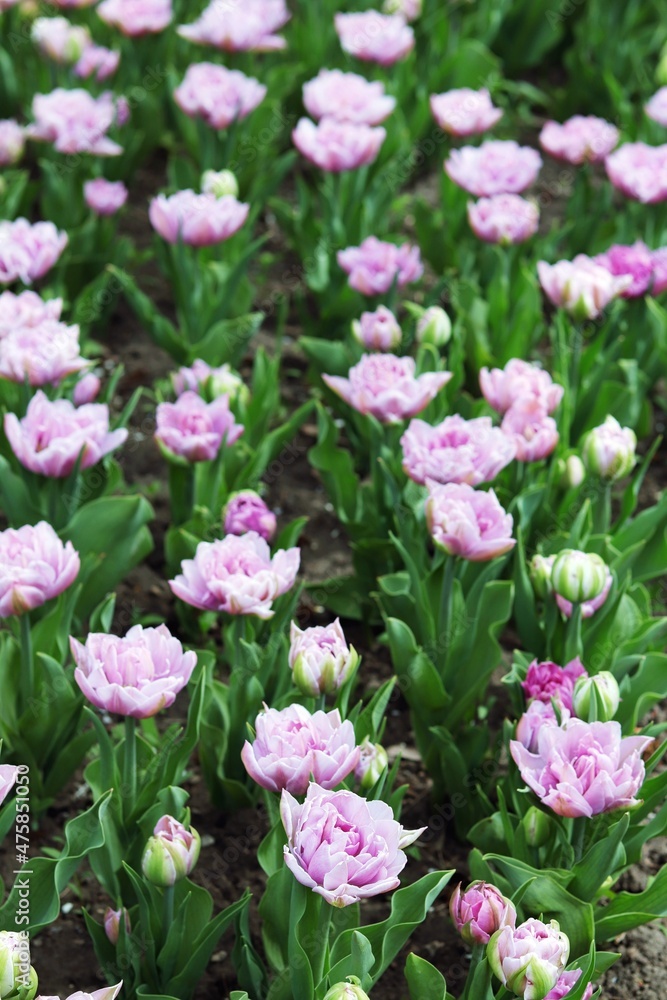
(479, 911)
(547, 681)
(635, 261)
(246, 511)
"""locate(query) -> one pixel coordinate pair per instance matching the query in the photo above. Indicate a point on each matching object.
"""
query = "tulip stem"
(578, 837)
(27, 683)
(130, 770)
(573, 646)
(602, 511)
(444, 623)
(167, 908)
(181, 492)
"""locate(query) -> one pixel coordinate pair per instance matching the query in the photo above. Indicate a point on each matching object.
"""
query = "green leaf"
(632, 909)
(604, 857)
(425, 982)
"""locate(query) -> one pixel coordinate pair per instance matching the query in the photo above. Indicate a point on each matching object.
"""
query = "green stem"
(167, 909)
(573, 645)
(181, 492)
(578, 837)
(130, 769)
(445, 617)
(27, 684)
(478, 953)
(321, 950)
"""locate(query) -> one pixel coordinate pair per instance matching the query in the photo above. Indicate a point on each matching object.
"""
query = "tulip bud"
(220, 183)
(609, 450)
(377, 331)
(536, 827)
(571, 472)
(578, 576)
(596, 696)
(434, 327)
(529, 959)
(224, 382)
(351, 990)
(409, 9)
(540, 575)
(480, 911)
(320, 658)
(372, 762)
(18, 979)
(171, 853)
(86, 389)
(112, 923)
(246, 511)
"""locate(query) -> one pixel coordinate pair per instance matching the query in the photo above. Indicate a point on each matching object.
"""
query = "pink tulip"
(504, 219)
(218, 95)
(495, 167)
(455, 451)
(581, 286)
(235, 27)
(565, 986)
(583, 768)
(26, 309)
(386, 386)
(171, 853)
(137, 675)
(106, 992)
(659, 271)
(292, 745)
(54, 435)
(347, 97)
(343, 847)
(519, 380)
(581, 139)
(547, 681)
(534, 434)
(374, 37)
(464, 111)
(635, 261)
(112, 919)
(246, 511)
(75, 122)
(378, 330)
(639, 171)
(609, 450)
(656, 108)
(537, 716)
(529, 959)
(28, 252)
(73, 4)
(374, 265)
(320, 658)
(588, 607)
(199, 220)
(479, 911)
(99, 62)
(136, 17)
(195, 430)
(12, 142)
(35, 566)
(336, 146)
(104, 197)
(44, 354)
(238, 575)
(58, 39)
(467, 522)
(220, 381)
(8, 775)
(86, 390)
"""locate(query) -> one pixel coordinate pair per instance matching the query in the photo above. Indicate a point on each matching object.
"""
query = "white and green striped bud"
(596, 699)
(578, 576)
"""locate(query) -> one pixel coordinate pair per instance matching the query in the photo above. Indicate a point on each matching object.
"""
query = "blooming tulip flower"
(199, 220)
(464, 111)
(53, 436)
(504, 219)
(547, 682)
(26, 309)
(217, 95)
(468, 523)
(194, 430)
(292, 745)
(60, 40)
(374, 266)
(518, 381)
(320, 658)
(581, 286)
(104, 197)
(583, 768)
(246, 511)
(15, 966)
(247, 27)
(28, 251)
(479, 911)
(42, 355)
(236, 575)
(533, 433)
(565, 985)
(97, 61)
(495, 167)
(374, 37)
(343, 847)
(455, 451)
(538, 716)
(581, 139)
(171, 853)
(347, 97)
(35, 566)
(639, 171)
(136, 17)
(337, 146)
(75, 121)
(373, 761)
(635, 260)
(609, 450)
(386, 387)
(530, 958)
(87, 389)
(377, 331)
(137, 675)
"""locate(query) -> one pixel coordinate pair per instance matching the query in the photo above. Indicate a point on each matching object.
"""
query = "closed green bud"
(350, 990)
(536, 827)
(578, 576)
(171, 853)
(220, 183)
(434, 327)
(18, 979)
(571, 472)
(540, 575)
(372, 762)
(609, 450)
(596, 698)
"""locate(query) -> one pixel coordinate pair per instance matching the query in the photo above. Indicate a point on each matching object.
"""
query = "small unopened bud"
(171, 853)
(350, 990)
(540, 575)
(571, 472)
(372, 763)
(434, 327)
(609, 450)
(112, 920)
(596, 698)
(220, 183)
(578, 576)
(320, 658)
